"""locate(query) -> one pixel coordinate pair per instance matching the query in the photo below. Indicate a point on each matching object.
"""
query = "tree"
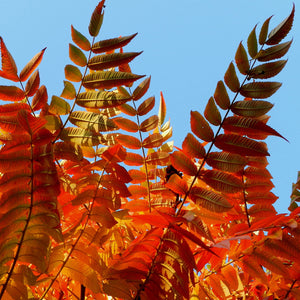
(96, 200)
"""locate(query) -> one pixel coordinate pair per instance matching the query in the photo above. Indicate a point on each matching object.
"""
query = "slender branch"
(290, 289)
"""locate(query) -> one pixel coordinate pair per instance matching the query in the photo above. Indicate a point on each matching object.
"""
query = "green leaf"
(209, 200)
(112, 44)
(212, 113)
(259, 90)
(72, 73)
(253, 108)
(267, 70)
(280, 32)
(92, 121)
(252, 43)
(234, 143)
(108, 79)
(106, 61)
(200, 127)
(264, 31)
(96, 19)
(59, 106)
(69, 91)
(81, 137)
(274, 52)
(241, 59)
(80, 40)
(77, 56)
(221, 95)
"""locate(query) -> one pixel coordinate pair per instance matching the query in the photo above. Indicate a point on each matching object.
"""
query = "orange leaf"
(80, 40)
(32, 84)
(149, 124)
(162, 109)
(129, 141)
(192, 147)
(126, 124)
(177, 184)
(11, 93)
(221, 95)
(241, 145)
(9, 68)
(133, 159)
(30, 123)
(158, 158)
(200, 127)
(96, 19)
(153, 140)
(146, 106)
(32, 65)
(40, 98)
(183, 163)
(137, 191)
(141, 89)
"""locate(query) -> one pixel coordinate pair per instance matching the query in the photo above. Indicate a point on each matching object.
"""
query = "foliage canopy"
(96, 201)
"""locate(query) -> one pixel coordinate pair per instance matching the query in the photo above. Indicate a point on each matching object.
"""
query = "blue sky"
(187, 48)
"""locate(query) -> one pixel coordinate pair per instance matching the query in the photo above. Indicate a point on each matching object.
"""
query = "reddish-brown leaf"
(241, 145)
(259, 90)
(40, 98)
(252, 109)
(126, 124)
(141, 89)
(11, 93)
(231, 78)
(32, 84)
(149, 124)
(32, 65)
(129, 141)
(183, 163)
(274, 52)
(153, 140)
(212, 113)
(177, 184)
(241, 59)
(9, 68)
(221, 95)
(200, 127)
(96, 19)
(192, 147)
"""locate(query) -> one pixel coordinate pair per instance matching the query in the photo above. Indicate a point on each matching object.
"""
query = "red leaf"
(9, 68)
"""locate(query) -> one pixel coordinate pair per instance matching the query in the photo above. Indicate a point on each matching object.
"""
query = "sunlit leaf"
(11, 93)
(192, 147)
(108, 79)
(72, 73)
(162, 109)
(101, 99)
(133, 159)
(209, 199)
(141, 89)
(183, 163)
(9, 68)
(128, 109)
(129, 141)
(241, 145)
(69, 91)
(158, 158)
(231, 78)
(248, 126)
(153, 140)
(111, 44)
(126, 124)
(226, 161)
(31, 66)
(77, 56)
(149, 124)
(40, 98)
(212, 113)
(259, 90)
(221, 95)
(59, 106)
(81, 136)
(177, 184)
(96, 19)
(80, 40)
(200, 127)
(92, 121)
(32, 84)
(146, 106)
(221, 181)
(106, 61)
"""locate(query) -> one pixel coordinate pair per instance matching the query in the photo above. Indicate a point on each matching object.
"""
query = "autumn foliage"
(97, 203)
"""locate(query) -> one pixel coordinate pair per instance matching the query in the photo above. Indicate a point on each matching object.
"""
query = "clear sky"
(187, 48)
